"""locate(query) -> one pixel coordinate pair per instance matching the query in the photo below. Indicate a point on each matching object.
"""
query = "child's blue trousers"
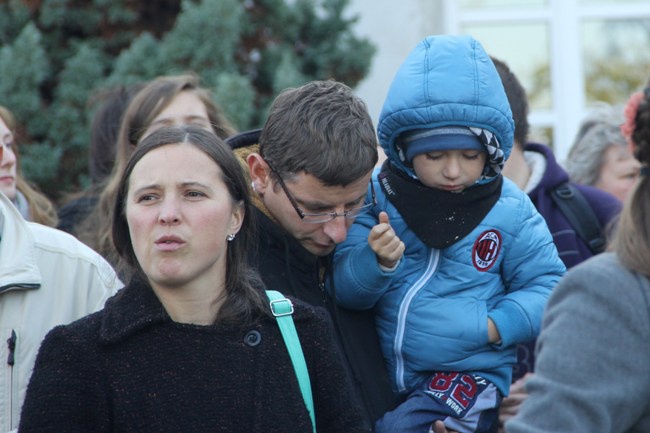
(466, 403)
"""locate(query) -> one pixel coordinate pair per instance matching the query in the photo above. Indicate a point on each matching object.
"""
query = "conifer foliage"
(55, 54)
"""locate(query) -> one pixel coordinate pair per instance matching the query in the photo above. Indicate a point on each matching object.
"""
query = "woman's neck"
(199, 306)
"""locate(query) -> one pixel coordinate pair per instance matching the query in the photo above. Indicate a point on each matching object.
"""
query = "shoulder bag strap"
(282, 309)
(581, 216)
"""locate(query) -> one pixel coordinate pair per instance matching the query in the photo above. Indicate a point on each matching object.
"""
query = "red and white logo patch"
(486, 250)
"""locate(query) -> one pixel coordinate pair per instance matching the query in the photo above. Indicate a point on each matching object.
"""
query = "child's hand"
(385, 243)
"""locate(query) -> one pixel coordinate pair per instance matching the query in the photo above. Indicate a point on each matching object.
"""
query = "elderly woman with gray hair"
(600, 156)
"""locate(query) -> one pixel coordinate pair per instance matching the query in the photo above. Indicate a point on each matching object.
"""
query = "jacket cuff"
(511, 322)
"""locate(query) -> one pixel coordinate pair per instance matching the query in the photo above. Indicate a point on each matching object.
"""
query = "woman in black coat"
(189, 345)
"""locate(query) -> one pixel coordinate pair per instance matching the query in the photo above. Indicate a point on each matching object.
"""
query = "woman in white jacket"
(47, 278)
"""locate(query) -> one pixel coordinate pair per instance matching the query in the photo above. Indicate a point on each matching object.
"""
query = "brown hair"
(142, 110)
(41, 209)
(245, 301)
(105, 127)
(518, 100)
(320, 128)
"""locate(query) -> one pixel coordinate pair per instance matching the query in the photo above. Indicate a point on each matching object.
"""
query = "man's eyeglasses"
(317, 218)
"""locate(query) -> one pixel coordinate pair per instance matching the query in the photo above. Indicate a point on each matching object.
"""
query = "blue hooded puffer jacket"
(446, 80)
(432, 311)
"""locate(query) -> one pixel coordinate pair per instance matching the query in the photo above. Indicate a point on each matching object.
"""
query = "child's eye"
(471, 156)
(434, 156)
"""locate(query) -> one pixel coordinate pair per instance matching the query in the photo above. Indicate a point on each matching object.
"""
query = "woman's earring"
(253, 186)
(230, 237)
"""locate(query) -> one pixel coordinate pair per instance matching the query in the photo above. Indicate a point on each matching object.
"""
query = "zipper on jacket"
(323, 292)
(322, 271)
(432, 265)
(11, 360)
(11, 344)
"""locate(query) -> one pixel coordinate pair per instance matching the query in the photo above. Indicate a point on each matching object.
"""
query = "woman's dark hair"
(245, 301)
(105, 126)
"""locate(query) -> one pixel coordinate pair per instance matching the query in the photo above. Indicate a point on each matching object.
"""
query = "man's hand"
(439, 427)
(511, 404)
(385, 243)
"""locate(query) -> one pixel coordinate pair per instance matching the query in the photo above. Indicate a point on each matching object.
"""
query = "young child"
(454, 259)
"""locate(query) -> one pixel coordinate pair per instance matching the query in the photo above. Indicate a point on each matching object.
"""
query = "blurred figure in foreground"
(592, 370)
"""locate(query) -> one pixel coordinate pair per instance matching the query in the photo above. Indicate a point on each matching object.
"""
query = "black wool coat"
(130, 368)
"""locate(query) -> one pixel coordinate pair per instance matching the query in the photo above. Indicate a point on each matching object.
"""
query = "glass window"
(568, 54)
(483, 4)
(525, 48)
(541, 134)
(616, 59)
(608, 2)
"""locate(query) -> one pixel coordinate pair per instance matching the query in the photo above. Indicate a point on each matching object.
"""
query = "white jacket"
(47, 278)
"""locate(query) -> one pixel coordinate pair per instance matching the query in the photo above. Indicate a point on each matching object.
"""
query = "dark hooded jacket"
(571, 248)
(606, 207)
(287, 267)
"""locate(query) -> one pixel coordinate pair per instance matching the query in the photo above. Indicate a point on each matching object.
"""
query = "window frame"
(563, 18)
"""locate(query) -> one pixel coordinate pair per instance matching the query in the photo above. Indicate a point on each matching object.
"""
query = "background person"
(31, 203)
(600, 156)
(190, 343)
(104, 129)
(165, 101)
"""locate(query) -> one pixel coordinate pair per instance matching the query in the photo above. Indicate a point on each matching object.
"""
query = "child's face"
(451, 170)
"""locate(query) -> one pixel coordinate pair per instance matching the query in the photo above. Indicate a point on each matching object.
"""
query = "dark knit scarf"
(438, 218)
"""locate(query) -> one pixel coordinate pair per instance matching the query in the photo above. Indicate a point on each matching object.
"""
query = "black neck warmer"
(439, 218)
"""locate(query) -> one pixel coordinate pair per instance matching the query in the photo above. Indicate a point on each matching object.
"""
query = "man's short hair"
(322, 129)
(517, 99)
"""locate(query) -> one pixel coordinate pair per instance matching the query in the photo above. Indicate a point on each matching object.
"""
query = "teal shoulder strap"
(282, 309)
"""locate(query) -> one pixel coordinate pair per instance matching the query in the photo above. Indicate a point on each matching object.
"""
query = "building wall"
(395, 28)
